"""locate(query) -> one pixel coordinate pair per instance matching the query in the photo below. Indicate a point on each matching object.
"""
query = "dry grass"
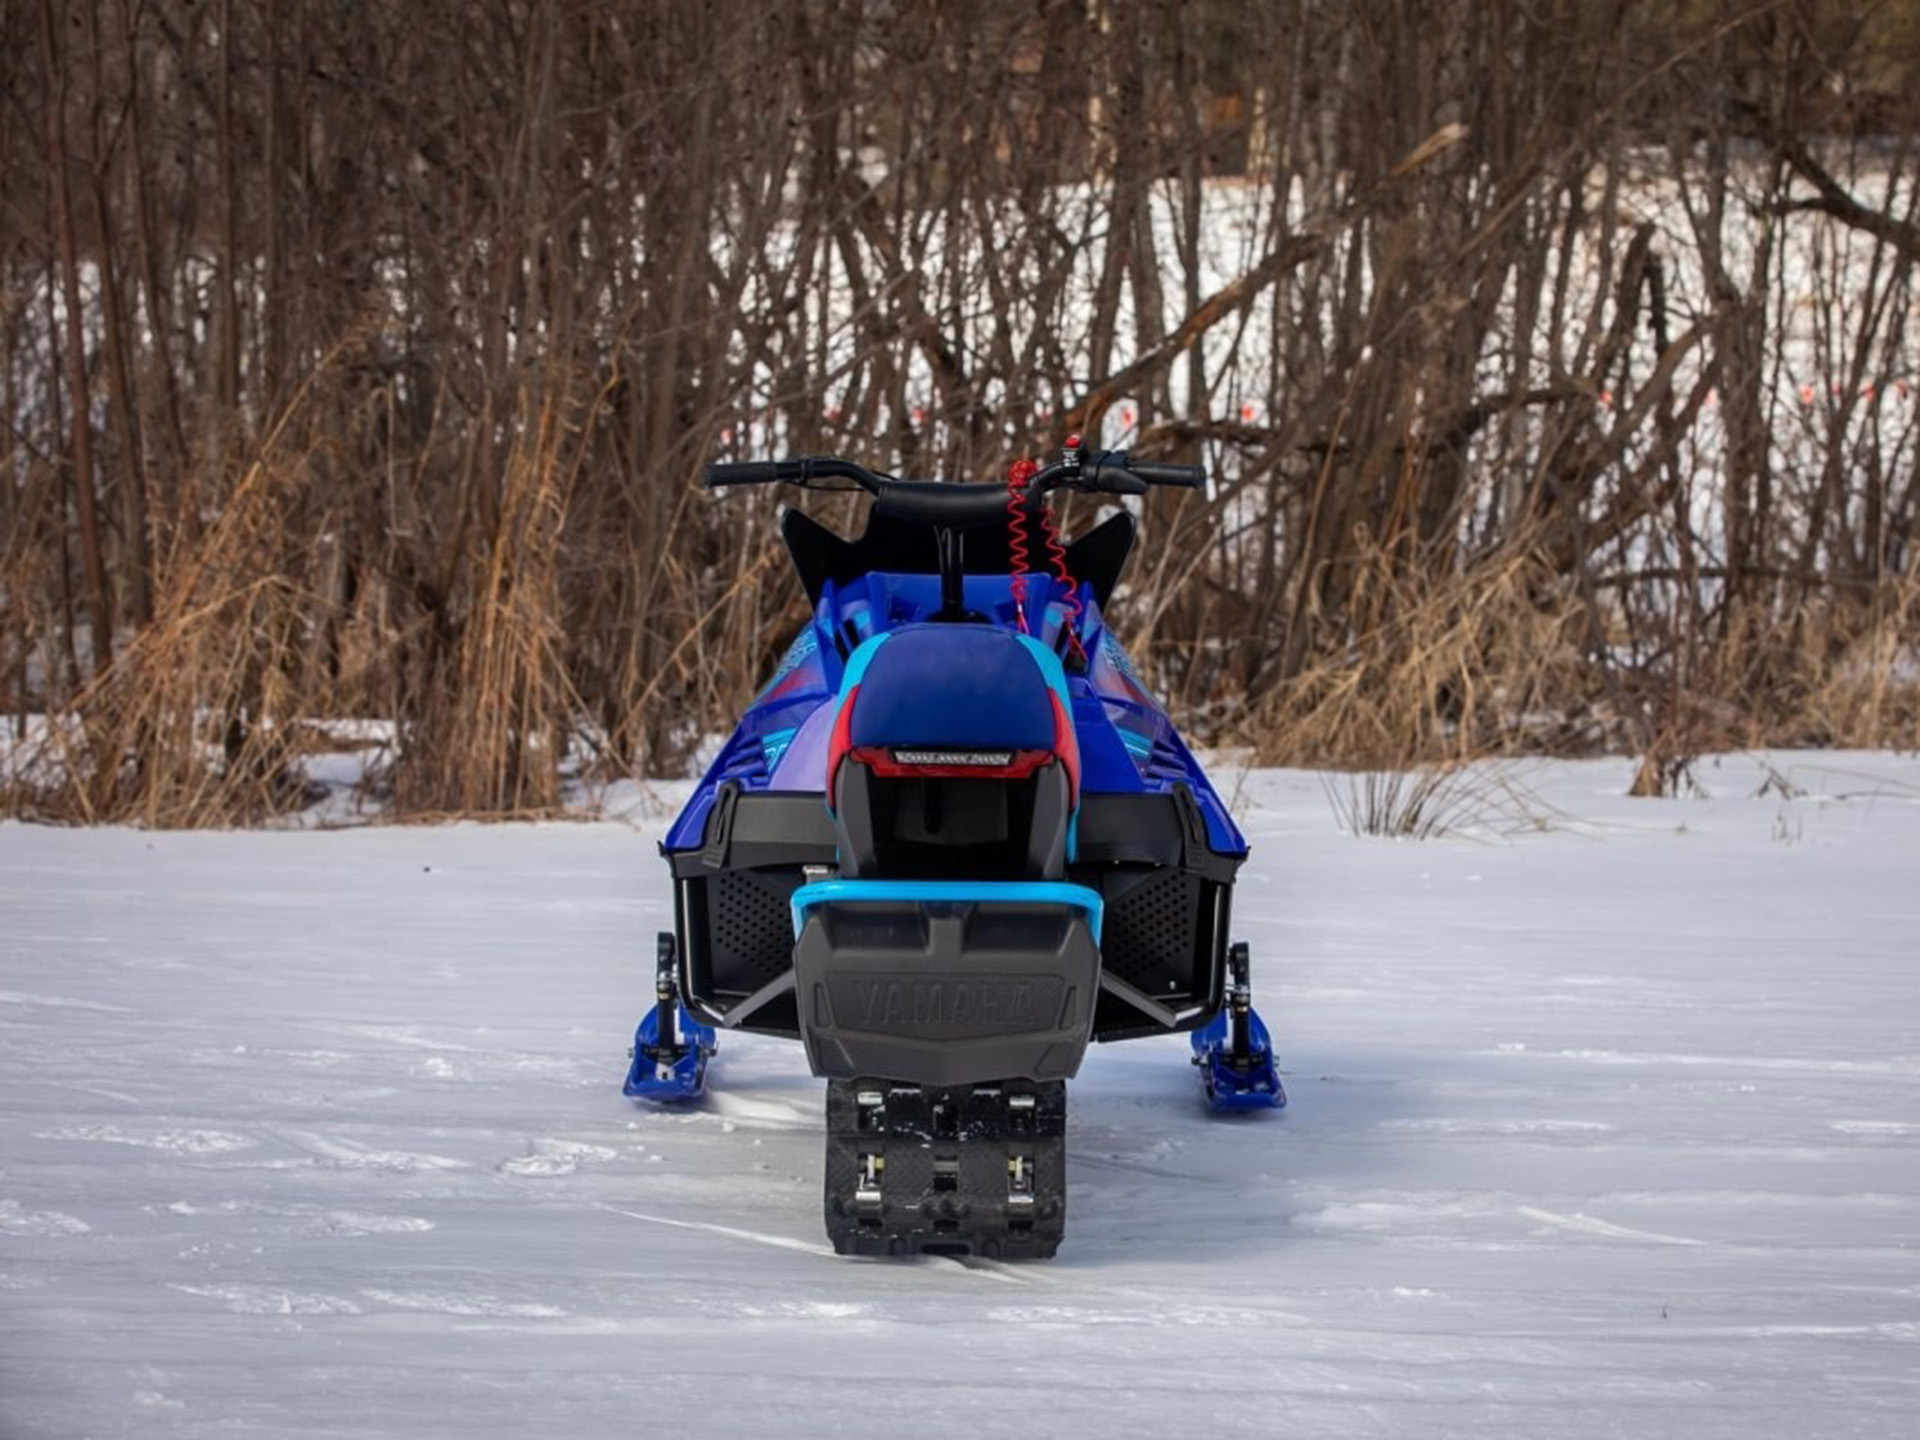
(1862, 680)
(1504, 659)
(202, 720)
(1451, 668)
(1427, 802)
(1832, 672)
(491, 740)
(195, 721)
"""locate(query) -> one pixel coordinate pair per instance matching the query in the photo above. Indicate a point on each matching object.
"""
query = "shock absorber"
(666, 993)
(1240, 1000)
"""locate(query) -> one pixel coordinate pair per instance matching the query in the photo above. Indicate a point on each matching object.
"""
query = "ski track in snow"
(1588, 1225)
(546, 1158)
(345, 1154)
(15, 1220)
(267, 1300)
(1610, 1130)
(60, 1002)
(311, 1219)
(728, 1232)
(179, 1142)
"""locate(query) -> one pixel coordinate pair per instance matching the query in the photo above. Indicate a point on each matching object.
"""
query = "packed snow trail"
(1607, 1129)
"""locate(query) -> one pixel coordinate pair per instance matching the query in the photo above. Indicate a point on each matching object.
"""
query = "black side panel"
(818, 554)
(1154, 933)
(907, 547)
(1164, 939)
(748, 928)
(771, 827)
(1164, 948)
(1118, 829)
(1098, 556)
(736, 930)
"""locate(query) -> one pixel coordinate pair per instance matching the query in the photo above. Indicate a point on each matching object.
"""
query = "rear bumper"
(946, 982)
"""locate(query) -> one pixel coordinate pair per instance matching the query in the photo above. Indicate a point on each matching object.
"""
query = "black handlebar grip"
(1189, 477)
(744, 472)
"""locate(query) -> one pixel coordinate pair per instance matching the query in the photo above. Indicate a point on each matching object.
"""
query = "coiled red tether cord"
(1019, 549)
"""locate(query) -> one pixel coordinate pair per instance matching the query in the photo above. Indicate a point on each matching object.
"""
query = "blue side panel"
(803, 764)
(961, 691)
(1156, 758)
(1223, 835)
(765, 737)
(1106, 766)
(804, 647)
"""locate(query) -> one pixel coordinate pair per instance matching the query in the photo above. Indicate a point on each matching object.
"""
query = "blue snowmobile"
(952, 841)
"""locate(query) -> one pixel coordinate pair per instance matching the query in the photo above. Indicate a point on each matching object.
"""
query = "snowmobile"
(952, 842)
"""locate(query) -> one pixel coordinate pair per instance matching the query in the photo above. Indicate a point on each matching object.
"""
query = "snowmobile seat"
(953, 757)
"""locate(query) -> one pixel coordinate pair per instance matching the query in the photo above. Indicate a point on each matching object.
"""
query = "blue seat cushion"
(966, 686)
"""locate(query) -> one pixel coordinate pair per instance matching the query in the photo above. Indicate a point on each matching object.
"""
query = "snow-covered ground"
(1610, 1128)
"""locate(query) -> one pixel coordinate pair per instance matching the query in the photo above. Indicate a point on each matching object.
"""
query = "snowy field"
(1608, 1128)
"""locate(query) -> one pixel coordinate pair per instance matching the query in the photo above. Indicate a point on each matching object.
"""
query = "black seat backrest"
(913, 827)
(908, 548)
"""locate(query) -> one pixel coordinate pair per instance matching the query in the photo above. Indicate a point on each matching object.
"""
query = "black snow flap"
(946, 993)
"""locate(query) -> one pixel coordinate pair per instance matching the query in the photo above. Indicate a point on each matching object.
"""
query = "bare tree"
(1553, 362)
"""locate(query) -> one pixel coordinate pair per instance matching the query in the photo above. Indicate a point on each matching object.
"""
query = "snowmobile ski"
(670, 1048)
(1234, 1051)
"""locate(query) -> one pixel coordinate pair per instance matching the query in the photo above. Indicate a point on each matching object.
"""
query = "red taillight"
(903, 763)
(897, 762)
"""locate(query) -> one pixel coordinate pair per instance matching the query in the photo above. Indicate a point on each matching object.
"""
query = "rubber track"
(947, 1158)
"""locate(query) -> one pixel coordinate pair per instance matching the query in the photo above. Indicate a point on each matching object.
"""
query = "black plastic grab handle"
(802, 470)
(745, 472)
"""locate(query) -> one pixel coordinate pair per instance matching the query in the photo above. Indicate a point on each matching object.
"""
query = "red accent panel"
(1067, 746)
(841, 741)
(881, 760)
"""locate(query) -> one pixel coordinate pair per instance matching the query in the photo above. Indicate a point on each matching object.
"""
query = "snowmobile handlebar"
(1108, 472)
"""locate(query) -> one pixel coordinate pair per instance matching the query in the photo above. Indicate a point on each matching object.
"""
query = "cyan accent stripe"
(1056, 676)
(858, 661)
(1032, 892)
